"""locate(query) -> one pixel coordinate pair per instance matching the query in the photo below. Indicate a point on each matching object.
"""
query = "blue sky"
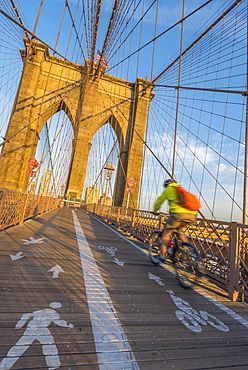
(224, 119)
(169, 12)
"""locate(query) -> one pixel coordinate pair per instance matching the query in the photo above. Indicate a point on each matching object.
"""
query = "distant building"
(92, 195)
(105, 200)
(44, 182)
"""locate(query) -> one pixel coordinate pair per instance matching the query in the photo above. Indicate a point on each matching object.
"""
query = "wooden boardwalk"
(77, 294)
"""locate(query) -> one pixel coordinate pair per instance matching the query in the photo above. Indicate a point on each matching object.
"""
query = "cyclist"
(177, 216)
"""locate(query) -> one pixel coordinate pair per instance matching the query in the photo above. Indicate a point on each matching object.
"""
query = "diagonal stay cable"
(18, 15)
(111, 21)
(161, 34)
(74, 27)
(95, 30)
(223, 15)
(33, 35)
(151, 151)
(132, 30)
(23, 128)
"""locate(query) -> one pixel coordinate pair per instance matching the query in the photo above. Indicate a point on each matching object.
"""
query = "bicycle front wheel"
(154, 246)
(187, 260)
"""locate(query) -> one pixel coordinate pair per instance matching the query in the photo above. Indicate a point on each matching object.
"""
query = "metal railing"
(15, 207)
(223, 245)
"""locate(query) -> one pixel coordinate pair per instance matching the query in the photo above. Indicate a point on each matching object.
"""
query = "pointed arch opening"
(99, 184)
(54, 151)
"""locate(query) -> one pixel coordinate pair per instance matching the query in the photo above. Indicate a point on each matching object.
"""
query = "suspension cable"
(18, 15)
(237, 2)
(161, 34)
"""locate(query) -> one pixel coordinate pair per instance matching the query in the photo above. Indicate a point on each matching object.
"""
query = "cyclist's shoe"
(170, 252)
(200, 270)
(160, 258)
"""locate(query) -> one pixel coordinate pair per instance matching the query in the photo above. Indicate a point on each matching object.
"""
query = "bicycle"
(185, 257)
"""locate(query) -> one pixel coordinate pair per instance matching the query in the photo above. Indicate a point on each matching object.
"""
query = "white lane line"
(227, 310)
(116, 232)
(112, 346)
(223, 307)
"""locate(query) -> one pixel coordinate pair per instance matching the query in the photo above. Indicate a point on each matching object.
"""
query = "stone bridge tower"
(90, 98)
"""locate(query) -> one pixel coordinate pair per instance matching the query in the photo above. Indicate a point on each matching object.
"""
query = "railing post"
(37, 205)
(118, 215)
(134, 213)
(1, 206)
(161, 222)
(110, 214)
(233, 263)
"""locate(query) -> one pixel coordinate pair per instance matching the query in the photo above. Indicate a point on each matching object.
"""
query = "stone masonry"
(90, 98)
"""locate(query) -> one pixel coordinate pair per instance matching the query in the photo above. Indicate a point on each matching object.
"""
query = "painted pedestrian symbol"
(37, 329)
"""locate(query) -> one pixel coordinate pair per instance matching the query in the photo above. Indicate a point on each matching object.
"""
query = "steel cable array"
(199, 119)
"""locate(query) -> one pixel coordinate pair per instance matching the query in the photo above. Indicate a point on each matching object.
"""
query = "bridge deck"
(110, 308)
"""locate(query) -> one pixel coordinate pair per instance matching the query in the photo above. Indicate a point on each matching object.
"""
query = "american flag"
(98, 57)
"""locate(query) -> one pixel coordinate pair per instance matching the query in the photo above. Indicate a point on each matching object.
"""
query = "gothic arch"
(109, 99)
(53, 109)
(113, 121)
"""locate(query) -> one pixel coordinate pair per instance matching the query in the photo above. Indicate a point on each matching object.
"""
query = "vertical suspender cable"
(130, 48)
(47, 127)
(178, 92)
(154, 42)
(151, 77)
(96, 23)
(140, 38)
(136, 91)
(60, 27)
(246, 136)
(38, 16)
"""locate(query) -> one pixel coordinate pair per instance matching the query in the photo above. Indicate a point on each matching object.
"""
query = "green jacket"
(170, 194)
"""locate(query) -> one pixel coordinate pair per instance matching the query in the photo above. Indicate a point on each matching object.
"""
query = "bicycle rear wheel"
(187, 261)
(154, 246)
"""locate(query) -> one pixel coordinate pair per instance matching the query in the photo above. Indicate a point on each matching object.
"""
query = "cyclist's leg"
(172, 224)
(187, 218)
(154, 247)
(182, 235)
(165, 241)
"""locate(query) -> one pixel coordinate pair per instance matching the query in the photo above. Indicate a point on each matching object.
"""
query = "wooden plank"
(145, 309)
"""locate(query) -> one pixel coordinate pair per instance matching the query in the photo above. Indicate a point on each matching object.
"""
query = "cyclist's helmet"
(169, 181)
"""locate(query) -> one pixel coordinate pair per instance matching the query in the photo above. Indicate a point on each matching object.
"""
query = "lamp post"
(108, 176)
(130, 182)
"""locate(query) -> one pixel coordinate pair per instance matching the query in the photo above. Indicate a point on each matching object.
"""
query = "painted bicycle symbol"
(110, 250)
(193, 319)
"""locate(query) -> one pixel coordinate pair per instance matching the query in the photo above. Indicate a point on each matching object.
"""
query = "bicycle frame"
(185, 257)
